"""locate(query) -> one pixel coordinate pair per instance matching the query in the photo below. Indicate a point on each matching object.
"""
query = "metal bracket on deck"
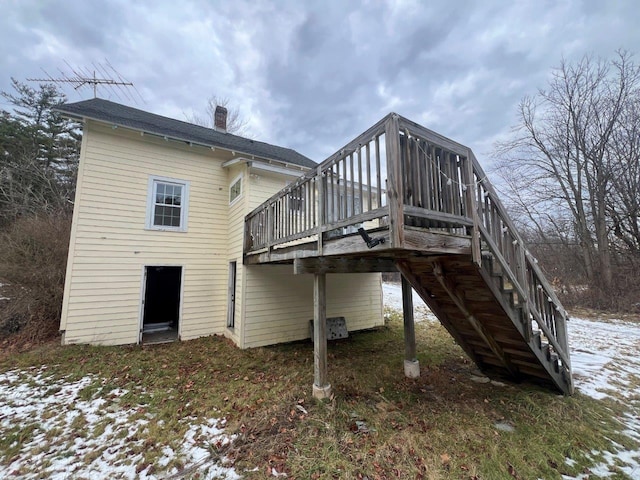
(371, 242)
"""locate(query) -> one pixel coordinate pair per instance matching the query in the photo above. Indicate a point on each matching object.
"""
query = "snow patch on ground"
(604, 357)
(392, 297)
(61, 430)
(606, 364)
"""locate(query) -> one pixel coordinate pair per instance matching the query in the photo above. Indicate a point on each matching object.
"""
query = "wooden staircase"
(424, 207)
(480, 308)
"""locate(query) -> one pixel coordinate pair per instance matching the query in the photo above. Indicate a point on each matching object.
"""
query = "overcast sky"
(313, 75)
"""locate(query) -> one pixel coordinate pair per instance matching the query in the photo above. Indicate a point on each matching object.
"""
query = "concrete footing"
(321, 392)
(411, 368)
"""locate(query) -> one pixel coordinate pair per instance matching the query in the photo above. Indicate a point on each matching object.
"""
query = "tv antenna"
(101, 75)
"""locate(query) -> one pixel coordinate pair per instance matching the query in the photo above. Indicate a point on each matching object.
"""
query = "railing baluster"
(480, 204)
(310, 205)
(345, 188)
(378, 172)
(331, 213)
(424, 178)
(314, 206)
(353, 186)
(360, 198)
(439, 191)
(428, 181)
(417, 173)
(456, 185)
(368, 168)
(446, 182)
(405, 172)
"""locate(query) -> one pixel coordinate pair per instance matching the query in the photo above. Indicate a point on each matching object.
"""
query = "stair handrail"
(559, 339)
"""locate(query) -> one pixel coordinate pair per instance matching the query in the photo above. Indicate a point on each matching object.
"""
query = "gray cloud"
(312, 75)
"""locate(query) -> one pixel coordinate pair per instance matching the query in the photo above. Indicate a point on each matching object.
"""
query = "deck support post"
(321, 387)
(411, 364)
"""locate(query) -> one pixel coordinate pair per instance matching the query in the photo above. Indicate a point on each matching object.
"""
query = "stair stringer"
(526, 355)
(428, 298)
(560, 376)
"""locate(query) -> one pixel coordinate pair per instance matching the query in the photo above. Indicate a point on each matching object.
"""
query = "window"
(167, 204)
(235, 190)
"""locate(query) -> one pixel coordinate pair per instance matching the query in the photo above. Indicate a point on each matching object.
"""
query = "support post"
(395, 187)
(321, 387)
(411, 364)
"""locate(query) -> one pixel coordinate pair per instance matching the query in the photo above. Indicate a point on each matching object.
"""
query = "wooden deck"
(403, 198)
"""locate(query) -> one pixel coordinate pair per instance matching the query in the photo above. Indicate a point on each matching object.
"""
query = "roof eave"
(212, 145)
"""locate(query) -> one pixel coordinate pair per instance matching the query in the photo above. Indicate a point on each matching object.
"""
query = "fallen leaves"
(512, 471)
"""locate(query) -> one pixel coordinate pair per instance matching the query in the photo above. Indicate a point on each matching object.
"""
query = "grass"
(378, 425)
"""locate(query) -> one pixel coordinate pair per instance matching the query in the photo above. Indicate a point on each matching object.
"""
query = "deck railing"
(344, 191)
(399, 174)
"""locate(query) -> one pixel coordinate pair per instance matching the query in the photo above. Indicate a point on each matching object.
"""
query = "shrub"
(33, 262)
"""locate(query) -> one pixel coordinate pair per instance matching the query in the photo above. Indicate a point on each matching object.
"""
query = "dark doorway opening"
(231, 301)
(161, 309)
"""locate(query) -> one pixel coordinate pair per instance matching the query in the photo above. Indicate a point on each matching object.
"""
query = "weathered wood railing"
(443, 185)
(542, 309)
(414, 177)
(344, 191)
(404, 175)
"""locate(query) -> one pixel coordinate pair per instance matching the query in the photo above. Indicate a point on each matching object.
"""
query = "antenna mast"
(85, 77)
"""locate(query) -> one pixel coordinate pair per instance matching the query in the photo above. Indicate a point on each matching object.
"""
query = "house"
(181, 231)
(156, 249)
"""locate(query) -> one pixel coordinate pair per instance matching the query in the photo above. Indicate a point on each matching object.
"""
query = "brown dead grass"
(591, 313)
(379, 424)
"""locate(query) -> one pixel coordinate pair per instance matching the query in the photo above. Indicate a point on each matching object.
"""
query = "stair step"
(525, 368)
(522, 353)
(537, 340)
(502, 317)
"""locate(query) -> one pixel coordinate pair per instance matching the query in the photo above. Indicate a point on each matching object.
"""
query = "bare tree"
(623, 205)
(236, 123)
(565, 157)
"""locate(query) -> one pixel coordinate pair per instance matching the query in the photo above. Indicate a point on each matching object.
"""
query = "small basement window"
(167, 204)
(235, 190)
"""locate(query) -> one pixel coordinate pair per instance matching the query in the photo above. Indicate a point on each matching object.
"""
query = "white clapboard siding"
(110, 245)
(110, 248)
(235, 232)
(278, 305)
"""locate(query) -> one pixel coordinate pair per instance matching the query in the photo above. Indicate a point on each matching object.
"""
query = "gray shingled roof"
(121, 115)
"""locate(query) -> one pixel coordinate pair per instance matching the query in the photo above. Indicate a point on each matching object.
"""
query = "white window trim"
(235, 200)
(184, 211)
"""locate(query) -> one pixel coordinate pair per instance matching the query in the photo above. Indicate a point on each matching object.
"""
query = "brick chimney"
(220, 119)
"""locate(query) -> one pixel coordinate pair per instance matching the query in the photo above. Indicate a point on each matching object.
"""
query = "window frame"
(154, 180)
(237, 179)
